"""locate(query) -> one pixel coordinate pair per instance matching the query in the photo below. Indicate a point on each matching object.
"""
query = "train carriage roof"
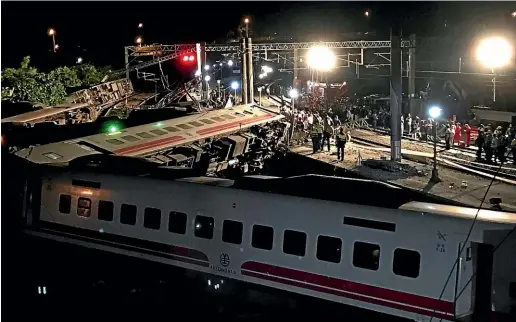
(149, 138)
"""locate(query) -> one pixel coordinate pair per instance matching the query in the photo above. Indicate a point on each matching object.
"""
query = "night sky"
(98, 31)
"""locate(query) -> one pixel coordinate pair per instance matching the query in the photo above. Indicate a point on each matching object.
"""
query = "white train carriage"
(392, 260)
(150, 138)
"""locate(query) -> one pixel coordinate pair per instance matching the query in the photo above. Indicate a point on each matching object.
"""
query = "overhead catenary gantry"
(162, 53)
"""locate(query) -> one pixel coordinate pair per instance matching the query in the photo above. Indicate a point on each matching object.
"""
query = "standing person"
(402, 125)
(341, 139)
(467, 129)
(409, 123)
(479, 142)
(447, 136)
(328, 132)
(488, 146)
(316, 136)
(456, 137)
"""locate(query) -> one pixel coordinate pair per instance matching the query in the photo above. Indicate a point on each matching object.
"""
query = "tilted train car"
(159, 141)
(384, 253)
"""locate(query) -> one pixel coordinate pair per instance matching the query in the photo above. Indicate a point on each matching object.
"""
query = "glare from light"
(261, 76)
(214, 65)
(230, 63)
(56, 47)
(320, 58)
(113, 129)
(191, 58)
(197, 73)
(494, 52)
(207, 67)
(246, 20)
(139, 40)
(207, 78)
(218, 81)
(51, 32)
(79, 60)
(234, 85)
(266, 69)
(366, 13)
(434, 112)
(513, 14)
(140, 25)
(293, 93)
(260, 89)
(185, 58)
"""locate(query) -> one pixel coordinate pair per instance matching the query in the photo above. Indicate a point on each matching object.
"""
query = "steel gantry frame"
(162, 53)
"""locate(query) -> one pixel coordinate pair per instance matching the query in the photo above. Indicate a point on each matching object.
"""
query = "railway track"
(487, 169)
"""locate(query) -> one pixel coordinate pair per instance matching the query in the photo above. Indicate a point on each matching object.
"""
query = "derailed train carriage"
(240, 138)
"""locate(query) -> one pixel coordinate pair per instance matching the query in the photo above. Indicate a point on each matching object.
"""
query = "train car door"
(463, 283)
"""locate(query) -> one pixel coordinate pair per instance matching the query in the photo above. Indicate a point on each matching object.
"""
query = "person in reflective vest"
(317, 132)
(341, 139)
(467, 129)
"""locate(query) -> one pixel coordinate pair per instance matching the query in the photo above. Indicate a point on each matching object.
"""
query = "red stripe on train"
(232, 124)
(148, 145)
(344, 288)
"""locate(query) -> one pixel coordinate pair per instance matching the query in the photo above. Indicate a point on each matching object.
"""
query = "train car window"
(52, 155)
(152, 218)
(204, 227)
(172, 129)
(196, 124)
(366, 255)
(130, 138)
(158, 132)
(232, 232)
(84, 207)
(406, 262)
(128, 214)
(65, 204)
(329, 249)
(228, 117)
(294, 242)
(217, 119)
(184, 126)
(263, 237)
(206, 121)
(373, 224)
(145, 135)
(115, 141)
(177, 222)
(105, 210)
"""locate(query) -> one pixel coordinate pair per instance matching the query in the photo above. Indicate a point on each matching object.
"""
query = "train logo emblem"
(224, 259)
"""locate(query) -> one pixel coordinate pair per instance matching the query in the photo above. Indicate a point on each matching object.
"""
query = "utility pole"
(204, 85)
(395, 90)
(250, 80)
(412, 73)
(296, 60)
(243, 72)
(126, 62)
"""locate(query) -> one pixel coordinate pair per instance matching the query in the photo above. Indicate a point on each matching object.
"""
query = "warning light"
(113, 129)
(191, 58)
(185, 58)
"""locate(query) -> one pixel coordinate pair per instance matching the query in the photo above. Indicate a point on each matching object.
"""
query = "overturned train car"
(241, 139)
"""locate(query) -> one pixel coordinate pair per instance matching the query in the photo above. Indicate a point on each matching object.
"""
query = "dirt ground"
(455, 185)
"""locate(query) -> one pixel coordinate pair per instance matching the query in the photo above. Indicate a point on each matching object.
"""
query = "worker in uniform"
(500, 145)
(316, 135)
(402, 125)
(328, 132)
(467, 129)
(456, 136)
(341, 139)
(488, 145)
(448, 136)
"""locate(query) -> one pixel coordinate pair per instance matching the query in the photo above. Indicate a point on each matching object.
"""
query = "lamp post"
(293, 95)
(218, 84)
(246, 21)
(52, 33)
(207, 79)
(321, 59)
(260, 95)
(435, 112)
(234, 86)
(494, 53)
(139, 41)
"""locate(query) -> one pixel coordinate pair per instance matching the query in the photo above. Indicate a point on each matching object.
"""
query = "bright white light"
(218, 81)
(230, 63)
(494, 52)
(260, 89)
(207, 78)
(214, 65)
(140, 25)
(261, 76)
(197, 73)
(293, 93)
(266, 69)
(320, 58)
(234, 85)
(79, 60)
(246, 20)
(513, 14)
(207, 67)
(434, 112)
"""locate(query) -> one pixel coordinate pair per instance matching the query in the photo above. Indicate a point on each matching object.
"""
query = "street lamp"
(206, 67)
(320, 58)
(207, 78)
(230, 63)
(218, 85)
(234, 86)
(494, 53)
(435, 112)
(246, 21)
(52, 33)
(293, 95)
(139, 40)
(366, 13)
(140, 25)
(79, 60)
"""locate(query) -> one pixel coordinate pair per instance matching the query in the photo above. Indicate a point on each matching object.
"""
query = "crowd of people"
(497, 144)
